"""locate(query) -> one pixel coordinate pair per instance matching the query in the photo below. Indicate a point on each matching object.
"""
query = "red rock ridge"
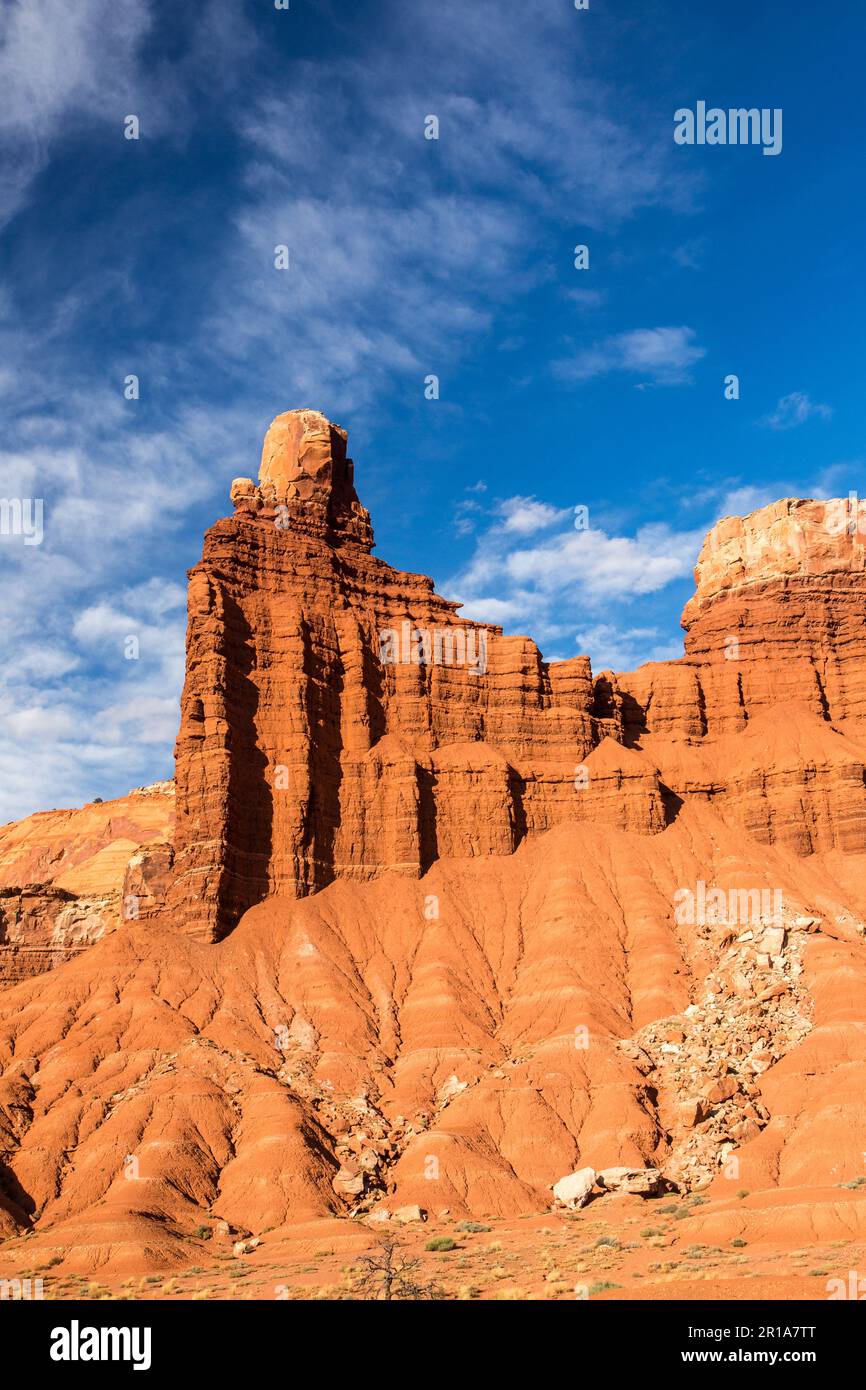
(314, 743)
(778, 615)
(537, 1003)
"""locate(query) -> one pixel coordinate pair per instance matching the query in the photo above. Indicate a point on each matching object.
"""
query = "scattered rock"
(645, 1182)
(405, 1215)
(451, 1088)
(772, 940)
(574, 1189)
(722, 1090)
(350, 1181)
(773, 992)
(690, 1113)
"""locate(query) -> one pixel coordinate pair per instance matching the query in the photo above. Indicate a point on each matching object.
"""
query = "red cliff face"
(479, 954)
(339, 718)
(766, 712)
(778, 614)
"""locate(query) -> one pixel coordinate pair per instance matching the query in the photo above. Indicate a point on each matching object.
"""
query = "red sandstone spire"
(306, 479)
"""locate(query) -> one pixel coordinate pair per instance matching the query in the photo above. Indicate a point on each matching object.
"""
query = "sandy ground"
(620, 1248)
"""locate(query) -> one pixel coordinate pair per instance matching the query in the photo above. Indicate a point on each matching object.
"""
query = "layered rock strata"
(778, 614)
(68, 877)
(557, 994)
(339, 719)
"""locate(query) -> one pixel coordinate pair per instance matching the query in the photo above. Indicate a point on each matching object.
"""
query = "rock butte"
(303, 758)
(413, 940)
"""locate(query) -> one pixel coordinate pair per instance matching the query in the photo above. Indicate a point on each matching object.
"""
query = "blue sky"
(409, 257)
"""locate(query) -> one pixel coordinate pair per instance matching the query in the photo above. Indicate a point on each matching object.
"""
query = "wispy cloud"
(406, 256)
(587, 299)
(404, 250)
(662, 356)
(66, 66)
(521, 516)
(82, 710)
(549, 586)
(616, 647)
(689, 255)
(795, 409)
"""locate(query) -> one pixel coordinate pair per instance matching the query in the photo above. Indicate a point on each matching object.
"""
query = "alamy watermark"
(22, 516)
(16, 1290)
(853, 1288)
(736, 126)
(77, 1343)
(436, 646)
(701, 906)
(845, 515)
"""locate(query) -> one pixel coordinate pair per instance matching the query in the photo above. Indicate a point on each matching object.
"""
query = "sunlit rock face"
(441, 927)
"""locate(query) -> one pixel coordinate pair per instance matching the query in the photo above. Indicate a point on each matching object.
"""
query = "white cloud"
(614, 648)
(77, 718)
(524, 515)
(403, 250)
(614, 566)
(548, 588)
(795, 409)
(403, 253)
(661, 355)
(730, 497)
(64, 63)
(58, 59)
(587, 299)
